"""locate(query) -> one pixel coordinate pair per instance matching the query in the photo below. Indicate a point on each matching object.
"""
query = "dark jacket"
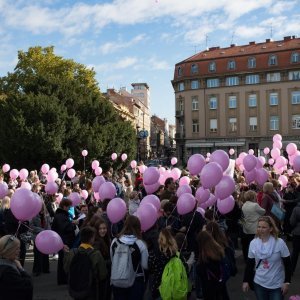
(64, 227)
(14, 283)
(295, 220)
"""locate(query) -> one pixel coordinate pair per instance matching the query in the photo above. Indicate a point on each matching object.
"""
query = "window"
(232, 125)
(252, 79)
(296, 122)
(294, 75)
(213, 125)
(252, 100)
(181, 105)
(296, 97)
(231, 65)
(194, 84)
(295, 57)
(213, 103)
(179, 71)
(252, 123)
(194, 69)
(211, 83)
(195, 103)
(212, 67)
(274, 123)
(251, 62)
(271, 77)
(273, 97)
(232, 81)
(232, 102)
(195, 126)
(181, 86)
(272, 60)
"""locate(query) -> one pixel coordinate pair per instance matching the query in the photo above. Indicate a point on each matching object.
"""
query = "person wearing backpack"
(129, 256)
(86, 268)
(209, 267)
(169, 274)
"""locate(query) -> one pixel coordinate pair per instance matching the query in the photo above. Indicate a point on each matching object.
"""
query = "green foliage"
(51, 109)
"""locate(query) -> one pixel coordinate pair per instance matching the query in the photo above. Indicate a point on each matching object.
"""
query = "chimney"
(214, 48)
(232, 45)
(251, 43)
(287, 38)
(268, 40)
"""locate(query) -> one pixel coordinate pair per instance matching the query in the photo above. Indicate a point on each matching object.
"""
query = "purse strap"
(258, 264)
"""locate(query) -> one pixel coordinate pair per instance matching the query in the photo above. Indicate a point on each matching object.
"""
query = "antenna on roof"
(206, 41)
(232, 36)
(271, 31)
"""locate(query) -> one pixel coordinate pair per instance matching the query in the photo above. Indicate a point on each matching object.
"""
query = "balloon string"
(185, 237)
(19, 224)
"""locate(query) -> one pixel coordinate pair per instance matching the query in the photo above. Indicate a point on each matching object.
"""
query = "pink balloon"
(95, 164)
(26, 185)
(208, 154)
(5, 168)
(49, 242)
(162, 179)
(63, 168)
(23, 174)
(133, 164)
(75, 198)
(114, 156)
(226, 205)
(277, 144)
(259, 164)
(173, 161)
(96, 183)
(275, 152)
(220, 157)
(14, 173)
(147, 215)
(284, 180)
(107, 190)
(211, 175)
(250, 176)
(277, 137)
(271, 161)
(201, 211)
(84, 194)
(96, 196)
(38, 203)
(296, 164)
(84, 153)
(242, 155)
(249, 162)
(69, 163)
(266, 150)
(3, 189)
(183, 189)
(98, 171)
(45, 168)
(238, 161)
(262, 176)
(23, 204)
(151, 176)
(116, 210)
(291, 148)
(168, 174)
(202, 195)
(59, 197)
(185, 180)
(289, 171)
(195, 164)
(51, 188)
(251, 152)
(262, 160)
(231, 151)
(152, 188)
(211, 200)
(142, 168)
(52, 176)
(124, 156)
(281, 161)
(185, 203)
(162, 170)
(71, 173)
(225, 187)
(176, 173)
(154, 200)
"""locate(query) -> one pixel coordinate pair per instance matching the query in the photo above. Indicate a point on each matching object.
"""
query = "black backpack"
(81, 276)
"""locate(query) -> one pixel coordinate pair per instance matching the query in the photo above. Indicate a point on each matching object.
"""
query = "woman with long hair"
(131, 236)
(270, 257)
(209, 266)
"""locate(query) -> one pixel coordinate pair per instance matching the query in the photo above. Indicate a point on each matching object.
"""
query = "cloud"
(121, 64)
(156, 64)
(282, 6)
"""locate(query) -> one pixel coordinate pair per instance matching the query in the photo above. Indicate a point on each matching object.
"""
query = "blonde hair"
(5, 204)
(250, 196)
(268, 187)
(167, 243)
(8, 245)
(271, 223)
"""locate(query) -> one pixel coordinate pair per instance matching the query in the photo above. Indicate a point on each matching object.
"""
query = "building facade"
(238, 97)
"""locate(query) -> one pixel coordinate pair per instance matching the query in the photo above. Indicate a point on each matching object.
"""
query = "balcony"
(179, 113)
(179, 135)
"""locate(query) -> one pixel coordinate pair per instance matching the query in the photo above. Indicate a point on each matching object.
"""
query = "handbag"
(278, 212)
(251, 281)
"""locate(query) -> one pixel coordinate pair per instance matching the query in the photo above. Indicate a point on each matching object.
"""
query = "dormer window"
(272, 60)
(251, 62)
(194, 69)
(212, 67)
(231, 65)
(179, 71)
(295, 57)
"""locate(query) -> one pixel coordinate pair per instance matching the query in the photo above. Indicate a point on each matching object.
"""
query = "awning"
(229, 144)
(199, 145)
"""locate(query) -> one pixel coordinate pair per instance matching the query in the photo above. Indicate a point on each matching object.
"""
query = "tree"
(51, 108)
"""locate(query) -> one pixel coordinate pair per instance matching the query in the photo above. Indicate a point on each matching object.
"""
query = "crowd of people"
(204, 242)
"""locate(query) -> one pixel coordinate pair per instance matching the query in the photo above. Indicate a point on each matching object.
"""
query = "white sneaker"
(55, 257)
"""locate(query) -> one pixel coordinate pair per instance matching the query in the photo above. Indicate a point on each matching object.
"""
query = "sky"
(129, 41)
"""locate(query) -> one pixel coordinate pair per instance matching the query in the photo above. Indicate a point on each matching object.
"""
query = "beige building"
(238, 97)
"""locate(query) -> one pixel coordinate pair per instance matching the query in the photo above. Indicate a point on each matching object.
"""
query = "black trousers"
(295, 252)
(246, 240)
(40, 261)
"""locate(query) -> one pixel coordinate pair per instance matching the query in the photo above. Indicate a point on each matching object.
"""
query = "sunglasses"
(10, 239)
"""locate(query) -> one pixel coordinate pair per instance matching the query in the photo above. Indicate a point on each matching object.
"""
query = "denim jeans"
(135, 292)
(263, 293)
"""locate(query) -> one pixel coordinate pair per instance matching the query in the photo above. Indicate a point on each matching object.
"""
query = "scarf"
(264, 250)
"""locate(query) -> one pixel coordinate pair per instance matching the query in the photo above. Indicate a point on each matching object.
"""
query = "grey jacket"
(295, 220)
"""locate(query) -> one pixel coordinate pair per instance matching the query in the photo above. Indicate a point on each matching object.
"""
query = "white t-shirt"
(270, 273)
